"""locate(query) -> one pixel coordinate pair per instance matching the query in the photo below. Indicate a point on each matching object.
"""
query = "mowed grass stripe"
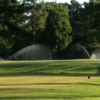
(83, 67)
(29, 83)
(50, 87)
(49, 80)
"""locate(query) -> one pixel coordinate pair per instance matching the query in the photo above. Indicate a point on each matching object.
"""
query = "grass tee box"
(49, 80)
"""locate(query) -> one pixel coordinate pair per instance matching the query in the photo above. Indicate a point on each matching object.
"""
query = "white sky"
(68, 1)
(63, 1)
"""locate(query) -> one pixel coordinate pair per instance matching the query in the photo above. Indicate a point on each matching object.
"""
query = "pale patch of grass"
(49, 88)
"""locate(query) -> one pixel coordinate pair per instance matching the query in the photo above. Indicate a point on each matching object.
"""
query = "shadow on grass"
(45, 94)
(39, 97)
(49, 84)
(50, 74)
(46, 97)
(69, 68)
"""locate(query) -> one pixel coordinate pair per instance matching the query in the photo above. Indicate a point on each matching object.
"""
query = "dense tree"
(75, 9)
(94, 20)
(57, 32)
(36, 21)
(82, 20)
(90, 25)
(20, 23)
(29, 22)
(11, 13)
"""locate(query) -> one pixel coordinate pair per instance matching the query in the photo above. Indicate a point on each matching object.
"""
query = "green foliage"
(36, 21)
(11, 16)
(22, 24)
(26, 22)
(56, 34)
(5, 44)
(85, 22)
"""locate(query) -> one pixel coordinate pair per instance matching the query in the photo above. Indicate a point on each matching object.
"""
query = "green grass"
(66, 67)
(49, 80)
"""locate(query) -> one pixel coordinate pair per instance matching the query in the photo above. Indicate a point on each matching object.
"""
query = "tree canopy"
(53, 24)
(11, 15)
(57, 32)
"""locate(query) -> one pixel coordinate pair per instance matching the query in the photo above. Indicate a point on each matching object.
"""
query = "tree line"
(53, 24)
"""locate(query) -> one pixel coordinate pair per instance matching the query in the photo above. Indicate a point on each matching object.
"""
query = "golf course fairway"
(50, 80)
